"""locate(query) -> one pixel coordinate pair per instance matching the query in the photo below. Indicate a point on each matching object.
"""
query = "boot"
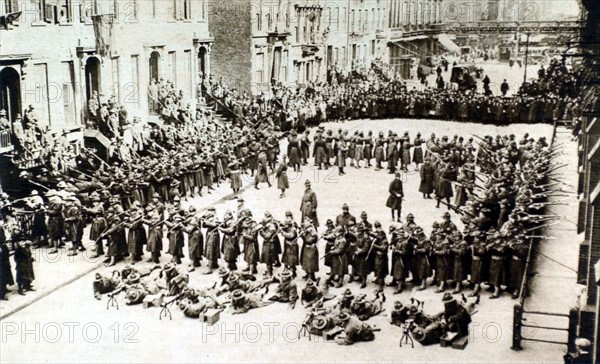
(475, 292)
(399, 288)
(363, 282)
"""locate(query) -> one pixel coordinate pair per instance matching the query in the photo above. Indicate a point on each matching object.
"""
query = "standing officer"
(394, 201)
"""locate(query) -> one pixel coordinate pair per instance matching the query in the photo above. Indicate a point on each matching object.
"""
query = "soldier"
(427, 174)
(329, 237)
(136, 237)
(250, 240)
(409, 226)
(309, 255)
(379, 249)
(283, 182)
(402, 251)
(73, 224)
(460, 250)
(339, 259)
(6, 276)
(24, 267)
(478, 258)
(192, 227)
(212, 249)
(309, 204)
(345, 217)
(379, 151)
(447, 226)
(312, 294)
(154, 222)
(117, 242)
(456, 316)
(443, 190)
(99, 224)
(364, 221)
(354, 331)
(342, 153)
(418, 151)
(290, 257)
(422, 268)
(39, 230)
(55, 220)
(498, 250)
(230, 246)
(394, 201)
(268, 232)
(175, 234)
(444, 260)
(519, 249)
(287, 291)
(262, 175)
(392, 152)
(243, 302)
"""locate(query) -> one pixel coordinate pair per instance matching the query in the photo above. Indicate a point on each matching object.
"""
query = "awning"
(410, 39)
(447, 43)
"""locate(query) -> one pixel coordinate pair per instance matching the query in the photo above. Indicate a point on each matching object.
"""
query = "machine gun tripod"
(407, 326)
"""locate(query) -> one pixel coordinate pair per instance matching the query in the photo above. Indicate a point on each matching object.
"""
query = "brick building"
(265, 41)
(589, 181)
(49, 57)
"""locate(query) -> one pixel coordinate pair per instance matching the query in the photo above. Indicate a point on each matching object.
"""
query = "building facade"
(588, 187)
(259, 43)
(50, 59)
(356, 32)
(414, 28)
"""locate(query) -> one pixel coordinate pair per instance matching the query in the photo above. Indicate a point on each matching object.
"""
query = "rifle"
(39, 185)
(95, 155)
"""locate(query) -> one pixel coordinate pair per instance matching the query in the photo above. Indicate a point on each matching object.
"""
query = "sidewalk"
(54, 271)
(553, 285)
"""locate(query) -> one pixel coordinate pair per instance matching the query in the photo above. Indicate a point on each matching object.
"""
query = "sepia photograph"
(300, 181)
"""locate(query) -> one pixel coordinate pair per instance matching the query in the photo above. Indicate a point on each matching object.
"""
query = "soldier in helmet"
(212, 251)
(250, 238)
(136, 237)
(192, 227)
(309, 255)
(230, 246)
(402, 257)
(174, 225)
(290, 257)
(269, 235)
(154, 222)
(379, 250)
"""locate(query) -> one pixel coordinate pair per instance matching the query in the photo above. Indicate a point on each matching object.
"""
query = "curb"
(51, 290)
(11, 312)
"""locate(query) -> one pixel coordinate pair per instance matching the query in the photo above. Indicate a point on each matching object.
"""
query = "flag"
(103, 25)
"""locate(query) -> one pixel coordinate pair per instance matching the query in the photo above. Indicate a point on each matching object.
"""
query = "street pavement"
(69, 325)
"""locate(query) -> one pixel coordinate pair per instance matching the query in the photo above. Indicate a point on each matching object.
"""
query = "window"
(115, 78)
(258, 22)
(11, 6)
(351, 21)
(187, 67)
(68, 95)
(154, 8)
(187, 9)
(258, 75)
(65, 12)
(173, 65)
(133, 89)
